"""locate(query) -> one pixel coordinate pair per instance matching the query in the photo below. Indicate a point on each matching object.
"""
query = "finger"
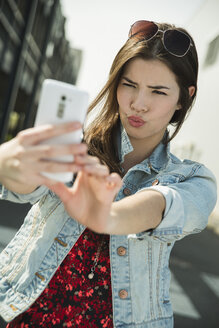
(96, 169)
(51, 151)
(40, 133)
(86, 160)
(57, 167)
(61, 190)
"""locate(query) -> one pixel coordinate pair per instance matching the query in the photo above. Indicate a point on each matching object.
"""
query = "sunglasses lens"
(143, 30)
(176, 42)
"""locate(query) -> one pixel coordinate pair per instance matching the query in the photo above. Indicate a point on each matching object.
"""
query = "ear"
(191, 90)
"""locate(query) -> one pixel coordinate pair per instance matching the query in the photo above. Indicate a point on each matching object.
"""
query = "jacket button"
(126, 191)
(61, 242)
(13, 307)
(123, 293)
(121, 251)
(155, 182)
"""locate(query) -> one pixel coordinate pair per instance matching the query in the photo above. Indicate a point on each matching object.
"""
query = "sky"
(100, 27)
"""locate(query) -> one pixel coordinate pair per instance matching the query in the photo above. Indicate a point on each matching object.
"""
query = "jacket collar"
(156, 161)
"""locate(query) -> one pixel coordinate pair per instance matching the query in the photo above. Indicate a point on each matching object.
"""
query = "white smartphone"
(62, 102)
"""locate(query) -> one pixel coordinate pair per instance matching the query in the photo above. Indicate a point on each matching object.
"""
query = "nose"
(139, 103)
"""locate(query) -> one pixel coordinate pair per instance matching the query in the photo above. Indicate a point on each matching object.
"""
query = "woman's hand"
(22, 159)
(89, 200)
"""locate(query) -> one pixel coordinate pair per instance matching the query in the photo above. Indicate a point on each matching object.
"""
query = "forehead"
(149, 69)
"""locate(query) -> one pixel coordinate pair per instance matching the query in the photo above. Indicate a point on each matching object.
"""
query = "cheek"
(169, 107)
(164, 111)
(122, 98)
(118, 96)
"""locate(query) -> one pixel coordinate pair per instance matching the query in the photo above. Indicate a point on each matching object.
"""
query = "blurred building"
(33, 47)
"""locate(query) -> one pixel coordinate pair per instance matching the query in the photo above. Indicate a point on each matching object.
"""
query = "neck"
(142, 150)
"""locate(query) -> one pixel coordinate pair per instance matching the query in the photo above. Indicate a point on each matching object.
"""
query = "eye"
(128, 85)
(159, 92)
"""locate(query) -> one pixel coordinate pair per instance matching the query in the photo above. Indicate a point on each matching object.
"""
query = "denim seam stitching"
(157, 278)
(150, 279)
(31, 235)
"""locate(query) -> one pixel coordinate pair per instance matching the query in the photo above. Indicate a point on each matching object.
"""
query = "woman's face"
(148, 97)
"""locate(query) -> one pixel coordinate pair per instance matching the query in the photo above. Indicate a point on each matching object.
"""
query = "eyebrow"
(130, 81)
(158, 87)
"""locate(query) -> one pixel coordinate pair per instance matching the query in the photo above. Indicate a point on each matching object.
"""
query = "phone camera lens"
(63, 98)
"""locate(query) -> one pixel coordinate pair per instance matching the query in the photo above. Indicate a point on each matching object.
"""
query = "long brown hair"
(101, 133)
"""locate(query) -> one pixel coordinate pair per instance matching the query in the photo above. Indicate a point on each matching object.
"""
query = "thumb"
(114, 181)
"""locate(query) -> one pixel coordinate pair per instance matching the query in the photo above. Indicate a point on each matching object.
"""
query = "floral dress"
(71, 299)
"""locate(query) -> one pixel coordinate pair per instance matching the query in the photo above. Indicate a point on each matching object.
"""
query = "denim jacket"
(140, 274)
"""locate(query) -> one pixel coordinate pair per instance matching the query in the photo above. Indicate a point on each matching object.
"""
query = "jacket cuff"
(173, 221)
(32, 197)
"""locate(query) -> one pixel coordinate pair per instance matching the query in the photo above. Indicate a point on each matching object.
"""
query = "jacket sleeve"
(188, 206)
(32, 197)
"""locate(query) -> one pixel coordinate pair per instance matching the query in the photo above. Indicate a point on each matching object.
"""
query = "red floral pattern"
(71, 299)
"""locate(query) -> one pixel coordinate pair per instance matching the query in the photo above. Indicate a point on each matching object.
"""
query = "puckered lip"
(136, 119)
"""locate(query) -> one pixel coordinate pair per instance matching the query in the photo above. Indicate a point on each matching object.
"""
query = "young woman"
(96, 253)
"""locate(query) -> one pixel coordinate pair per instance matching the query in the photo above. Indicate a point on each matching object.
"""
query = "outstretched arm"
(90, 201)
(137, 213)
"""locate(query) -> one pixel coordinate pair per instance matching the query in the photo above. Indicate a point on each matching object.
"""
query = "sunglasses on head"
(175, 41)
